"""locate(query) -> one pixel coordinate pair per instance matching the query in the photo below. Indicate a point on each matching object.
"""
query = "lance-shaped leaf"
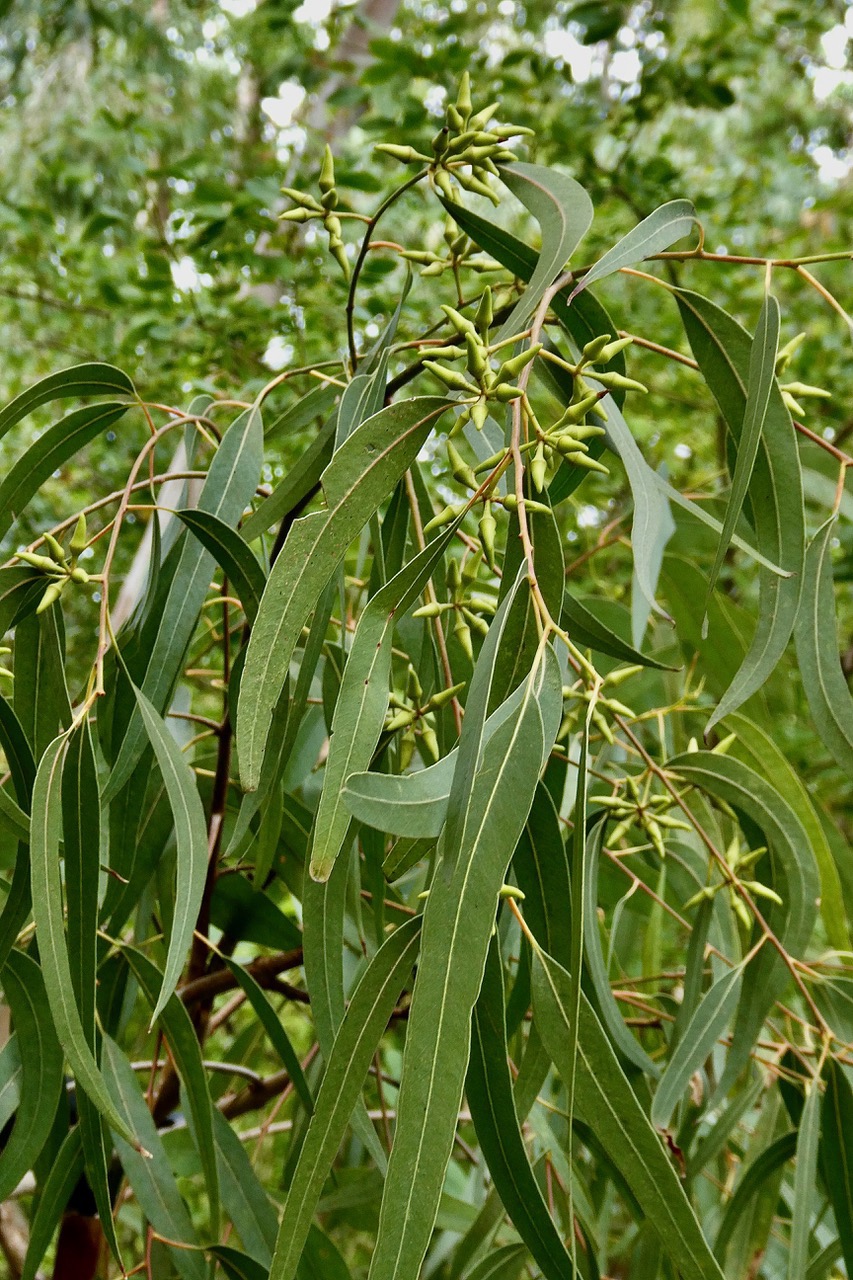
(53, 1201)
(42, 1080)
(501, 1264)
(91, 379)
(608, 1104)
(366, 1018)
(272, 1024)
(817, 651)
(363, 700)
(361, 474)
(301, 480)
(757, 1174)
(230, 484)
(458, 921)
(363, 397)
(186, 1053)
(489, 1090)
(723, 350)
(233, 555)
(564, 212)
(415, 804)
(668, 224)
(190, 841)
(836, 1140)
(760, 751)
(805, 1177)
(795, 879)
(608, 1008)
(150, 1176)
(50, 451)
(243, 1198)
(53, 948)
(704, 1030)
(586, 629)
(762, 372)
(236, 1264)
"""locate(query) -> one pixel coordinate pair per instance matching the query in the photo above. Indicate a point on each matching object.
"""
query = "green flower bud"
(79, 575)
(477, 362)
(485, 313)
(612, 349)
(329, 200)
(413, 685)
(455, 118)
(784, 356)
(584, 460)
(433, 609)
(460, 468)
(400, 721)
(450, 378)
(512, 368)
(807, 391)
(430, 742)
(39, 562)
(327, 171)
(491, 462)
(406, 155)
(299, 215)
(407, 749)
(444, 696)
(444, 517)
(487, 529)
(482, 118)
(479, 413)
(56, 549)
(461, 324)
(505, 392)
(476, 186)
(616, 382)
(538, 469)
(78, 541)
(593, 349)
(52, 593)
(479, 624)
(463, 97)
(441, 178)
(454, 578)
(463, 635)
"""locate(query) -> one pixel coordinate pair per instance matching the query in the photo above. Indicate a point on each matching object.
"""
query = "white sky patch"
(583, 59)
(238, 8)
(283, 107)
(625, 66)
(683, 451)
(313, 11)
(834, 44)
(589, 516)
(278, 354)
(831, 167)
(434, 99)
(185, 275)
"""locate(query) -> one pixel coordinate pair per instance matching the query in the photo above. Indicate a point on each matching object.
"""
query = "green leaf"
(363, 699)
(795, 879)
(817, 652)
(564, 212)
(230, 484)
(501, 1264)
(610, 1107)
(723, 350)
(53, 947)
(760, 381)
(238, 908)
(836, 1140)
(759, 1171)
(760, 751)
(458, 921)
(243, 1198)
(588, 630)
(42, 1079)
(361, 474)
(53, 1200)
(314, 404)
(94, 379)
(237, 1265)
(150, 1176)
(49, 452)
(805, 1178)
(669, 223)
(489, 1091)
(366, 1018)
(619, 1033)
(271, 1023)
(41, 697)
(190, 840)
(186, 1053)
(301, 480)
(693, 1049)
(244, 571)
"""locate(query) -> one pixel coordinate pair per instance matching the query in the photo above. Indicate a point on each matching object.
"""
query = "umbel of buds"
(59, 567)
(307, 208)
(467, 150)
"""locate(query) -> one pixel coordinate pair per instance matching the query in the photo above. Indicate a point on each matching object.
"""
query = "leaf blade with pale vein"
(361, 474)
(704, 1030)
(670, 222)
(190, 840)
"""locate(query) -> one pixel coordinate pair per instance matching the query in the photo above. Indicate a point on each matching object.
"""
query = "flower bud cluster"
(58, 567)
(414, 718)
(644, 810)
(467, 149)
(738, 861)
(308, 208)
(466, 607)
